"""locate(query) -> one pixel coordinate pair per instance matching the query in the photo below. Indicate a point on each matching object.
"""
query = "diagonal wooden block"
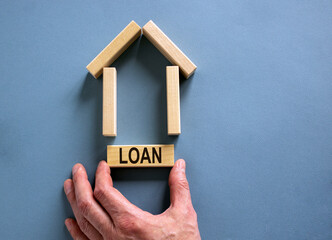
(113, 50)
(173, 100)
(140, 155)
(109, 102)
(168, 49)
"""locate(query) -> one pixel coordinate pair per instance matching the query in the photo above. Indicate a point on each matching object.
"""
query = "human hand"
(106, 214)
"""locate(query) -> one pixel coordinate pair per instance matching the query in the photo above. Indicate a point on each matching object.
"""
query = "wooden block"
(140, 155)
(168, 49)
(109, 102)
(173, 100)
(113, 50)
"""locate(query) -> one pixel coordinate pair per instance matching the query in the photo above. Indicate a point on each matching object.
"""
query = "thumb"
(178, 184)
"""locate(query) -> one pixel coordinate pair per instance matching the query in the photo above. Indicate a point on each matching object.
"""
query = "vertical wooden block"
(109, 102)
(173, 100)
(140, 155)
(113, 50)
(168, 49)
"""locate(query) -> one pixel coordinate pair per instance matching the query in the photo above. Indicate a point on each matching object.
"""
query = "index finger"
(109, 197)
(88, 206)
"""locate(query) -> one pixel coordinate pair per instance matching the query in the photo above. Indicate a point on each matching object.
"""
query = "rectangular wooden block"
(173, 100)
(109, 102)
(113, 50)
(168, 49)
(140, 155)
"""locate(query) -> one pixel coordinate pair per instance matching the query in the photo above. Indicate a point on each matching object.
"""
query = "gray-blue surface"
(256, 115)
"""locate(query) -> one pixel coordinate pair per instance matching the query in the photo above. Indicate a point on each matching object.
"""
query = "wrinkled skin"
(106, 214)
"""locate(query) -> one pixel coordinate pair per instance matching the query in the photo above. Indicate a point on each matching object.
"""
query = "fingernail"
(68, 224)
(182, 164)
(75, 168)
(67, 188)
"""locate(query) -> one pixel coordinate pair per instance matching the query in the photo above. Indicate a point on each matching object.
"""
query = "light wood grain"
(109, 102)
(173, 100)
(168, 49)
(113, 50)
(140, 155)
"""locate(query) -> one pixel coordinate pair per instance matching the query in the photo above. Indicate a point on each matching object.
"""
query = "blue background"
(256, 115)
